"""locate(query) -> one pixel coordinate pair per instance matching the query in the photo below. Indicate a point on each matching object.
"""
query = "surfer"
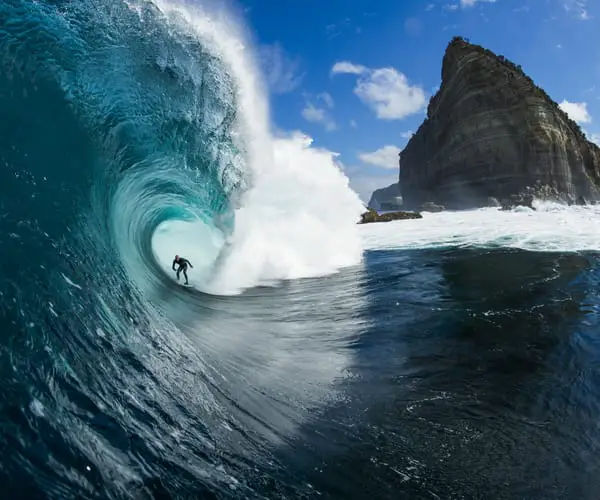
(183, 264)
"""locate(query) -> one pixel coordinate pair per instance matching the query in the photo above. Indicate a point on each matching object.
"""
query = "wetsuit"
(183, 264)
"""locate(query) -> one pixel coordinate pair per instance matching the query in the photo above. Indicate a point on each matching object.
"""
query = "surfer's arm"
(190, 264)
(173, 265)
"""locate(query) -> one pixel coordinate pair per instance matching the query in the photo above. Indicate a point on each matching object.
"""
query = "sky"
(357, 75)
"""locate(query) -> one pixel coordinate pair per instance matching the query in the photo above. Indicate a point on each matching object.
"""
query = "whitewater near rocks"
(551, 227)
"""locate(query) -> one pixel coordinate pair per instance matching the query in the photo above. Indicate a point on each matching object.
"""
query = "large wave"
(184, 161)
(277, 220)
(132, 131)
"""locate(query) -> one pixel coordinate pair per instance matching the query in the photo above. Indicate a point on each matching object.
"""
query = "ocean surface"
(452, 357)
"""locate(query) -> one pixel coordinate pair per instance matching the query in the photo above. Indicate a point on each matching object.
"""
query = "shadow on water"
(476, 378)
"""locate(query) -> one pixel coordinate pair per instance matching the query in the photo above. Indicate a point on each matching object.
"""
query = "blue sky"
(356, 75)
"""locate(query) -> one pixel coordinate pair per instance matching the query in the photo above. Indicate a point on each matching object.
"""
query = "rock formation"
(387, 198)
(372, 216)
(492, 135)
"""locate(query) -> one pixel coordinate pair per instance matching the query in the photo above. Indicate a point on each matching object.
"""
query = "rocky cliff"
(387, 198)
(490, 132)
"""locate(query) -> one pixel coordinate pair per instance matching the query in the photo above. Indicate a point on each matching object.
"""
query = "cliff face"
(386, 198)
(490, 132)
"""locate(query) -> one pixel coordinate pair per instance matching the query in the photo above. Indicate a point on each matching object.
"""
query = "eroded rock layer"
(491, 133)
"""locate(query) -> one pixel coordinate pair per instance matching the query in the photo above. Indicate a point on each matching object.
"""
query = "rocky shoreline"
(372, 216)
(525, 199)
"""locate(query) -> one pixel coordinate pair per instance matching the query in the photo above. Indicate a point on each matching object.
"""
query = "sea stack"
(492, 135)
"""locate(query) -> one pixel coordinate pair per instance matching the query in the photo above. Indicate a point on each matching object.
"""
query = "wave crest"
(294, 217)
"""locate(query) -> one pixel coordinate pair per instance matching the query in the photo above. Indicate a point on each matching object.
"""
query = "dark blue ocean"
(452, 357)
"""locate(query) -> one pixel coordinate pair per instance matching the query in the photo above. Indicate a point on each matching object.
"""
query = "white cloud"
(385, 90)
(465, 4)
(364, 185)
(578, 8)
(470, 3)
(364, 182)
(281, 72)
(353, 124)
(389, 94)
(406, 135)
(327, 99)
(347, 67)
(385, 157)
(577, 111)
(314, 114)
(319, 114)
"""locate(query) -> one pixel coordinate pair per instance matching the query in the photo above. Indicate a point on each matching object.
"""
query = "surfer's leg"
(178, 271)
(185, 274)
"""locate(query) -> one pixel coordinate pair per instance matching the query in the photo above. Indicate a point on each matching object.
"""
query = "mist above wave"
(298, 217)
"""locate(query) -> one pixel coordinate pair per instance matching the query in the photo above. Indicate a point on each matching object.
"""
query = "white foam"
(71, 282)
(299, 218)
(36, 407)
(551, 228)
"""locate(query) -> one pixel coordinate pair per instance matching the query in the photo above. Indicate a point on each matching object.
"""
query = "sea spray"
(550, 228)
(298, 218)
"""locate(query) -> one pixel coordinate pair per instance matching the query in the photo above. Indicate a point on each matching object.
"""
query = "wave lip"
(182, 158)
(295, 218)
